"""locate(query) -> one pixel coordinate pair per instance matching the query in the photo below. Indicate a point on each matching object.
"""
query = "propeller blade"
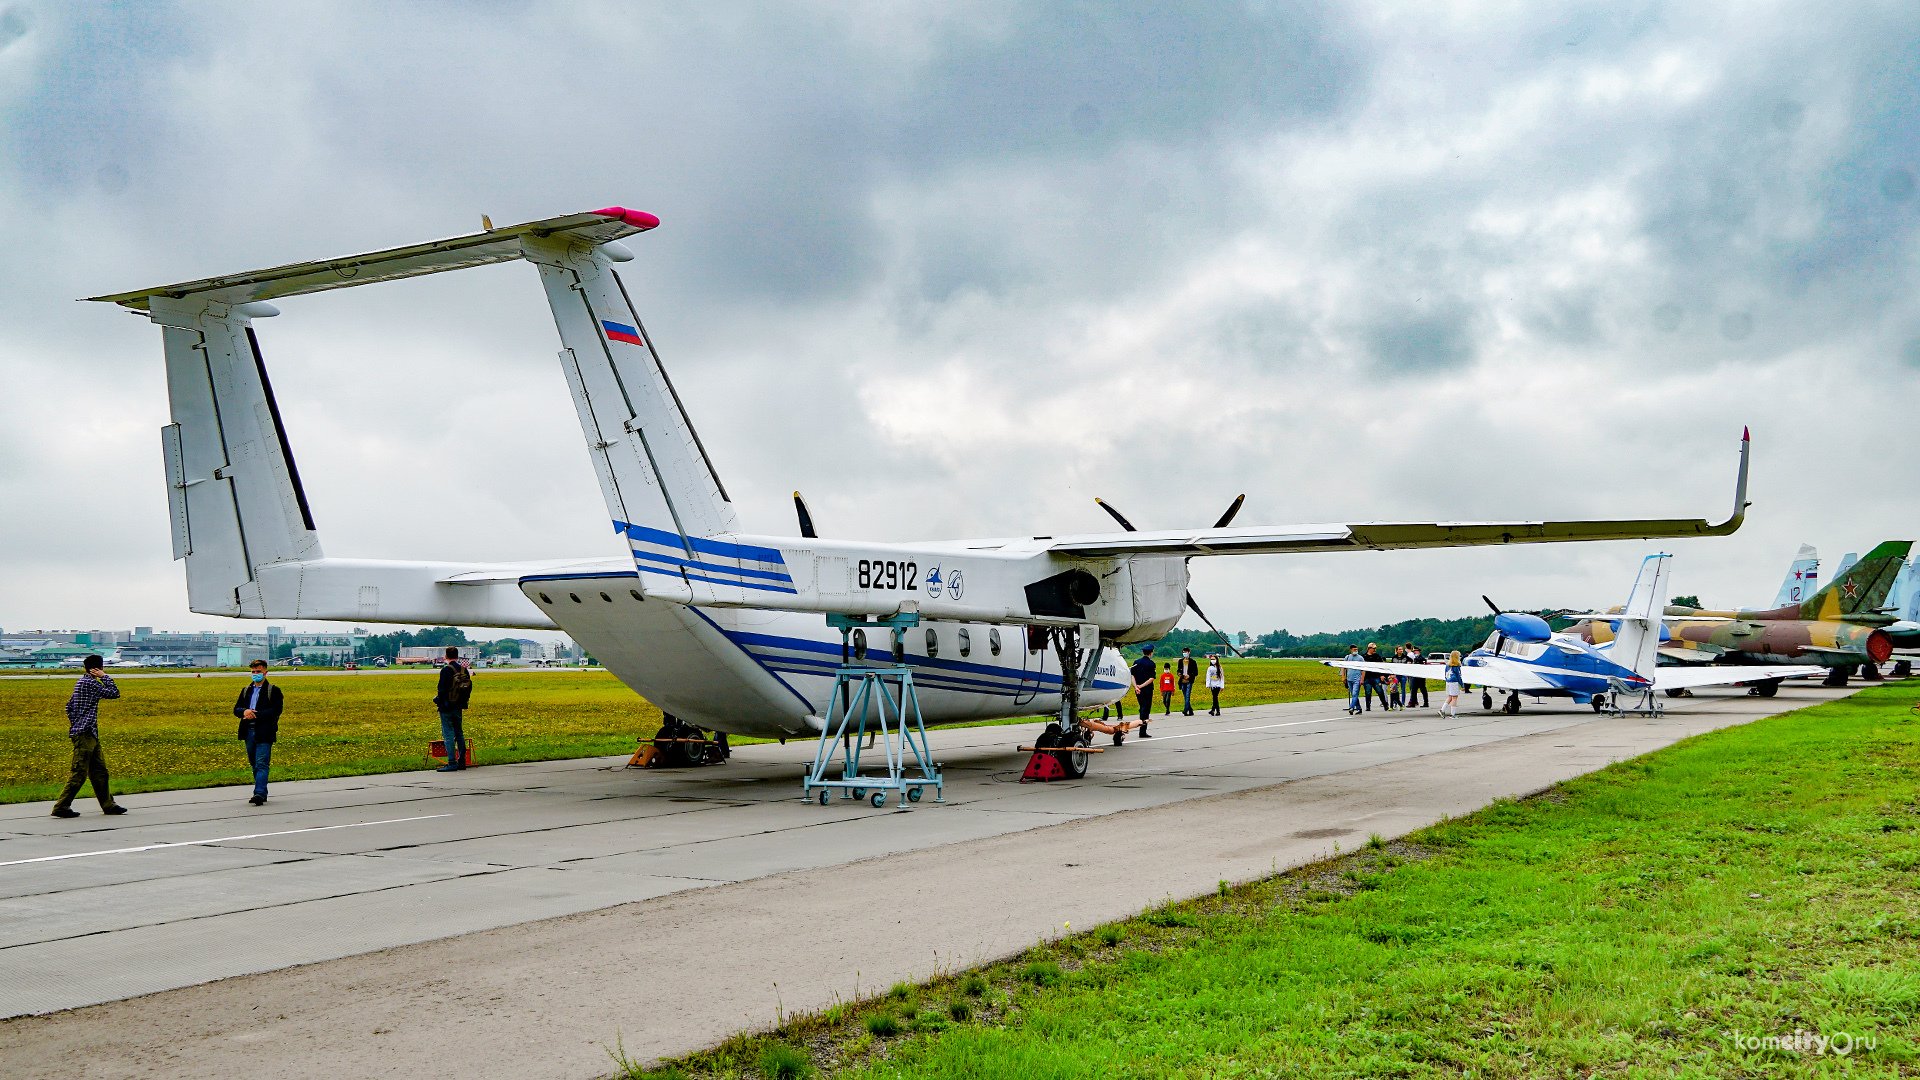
(1116, 515)
(1195, 605)
(1491, 604)
(806, 519)
(1227, 518)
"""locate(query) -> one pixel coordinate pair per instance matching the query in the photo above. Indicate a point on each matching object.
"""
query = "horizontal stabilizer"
(475, 249)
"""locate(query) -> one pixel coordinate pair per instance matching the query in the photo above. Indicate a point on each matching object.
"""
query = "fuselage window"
(575, 596)
(635, 593)
(993, 641)
(933, 642)
(966, 642)
(607, 598)
(545, 599)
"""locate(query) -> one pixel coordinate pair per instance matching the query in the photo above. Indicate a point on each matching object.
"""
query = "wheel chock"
(1043, 767)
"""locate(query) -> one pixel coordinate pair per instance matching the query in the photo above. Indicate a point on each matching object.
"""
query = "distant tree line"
(389, 645)
(1432, 635)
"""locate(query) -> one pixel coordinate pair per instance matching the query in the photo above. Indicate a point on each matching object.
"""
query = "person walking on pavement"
(1166, 689)
(1216, 682)
(1417, 688)
(451, 698)
(1354, 679)
(258, 709)
(1454, 684)
(1142, 672)
(1187, 671)
(1396, 685)
(1373, 683)
(83, 728)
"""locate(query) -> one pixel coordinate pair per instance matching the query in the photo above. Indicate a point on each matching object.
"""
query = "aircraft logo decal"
(933, 583)
(956, 585)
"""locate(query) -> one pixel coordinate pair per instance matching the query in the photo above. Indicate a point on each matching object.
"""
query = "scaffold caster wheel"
(825, 796)
(879, 799)
(913, 794)
(859, 793)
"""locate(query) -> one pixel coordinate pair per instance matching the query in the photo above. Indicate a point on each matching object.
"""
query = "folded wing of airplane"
(1679, 678)
(1500, 677)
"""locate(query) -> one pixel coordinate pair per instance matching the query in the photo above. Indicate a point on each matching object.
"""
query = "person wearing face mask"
(259, 709)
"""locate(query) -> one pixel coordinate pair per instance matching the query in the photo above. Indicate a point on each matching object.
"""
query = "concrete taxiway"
(516, 920)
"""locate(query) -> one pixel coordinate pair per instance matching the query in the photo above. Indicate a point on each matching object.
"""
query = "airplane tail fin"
(234, 491)
(1636, 644)
(1803, 578)
(1863, 588)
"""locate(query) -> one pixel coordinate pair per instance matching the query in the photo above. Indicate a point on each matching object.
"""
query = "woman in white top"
(1216, 682)
(1455, 685)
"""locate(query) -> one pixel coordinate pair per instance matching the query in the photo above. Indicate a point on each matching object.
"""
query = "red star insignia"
(1851, 589)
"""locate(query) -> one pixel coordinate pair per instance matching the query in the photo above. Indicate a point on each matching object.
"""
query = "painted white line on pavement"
(1223, 731)
(218, 840)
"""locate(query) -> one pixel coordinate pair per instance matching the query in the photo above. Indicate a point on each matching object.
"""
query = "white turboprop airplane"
(721, 629)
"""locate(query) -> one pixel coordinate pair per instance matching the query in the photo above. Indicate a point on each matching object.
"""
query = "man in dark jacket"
(1188, 670)
(1143, 679)
(455, 690)
(258, 708)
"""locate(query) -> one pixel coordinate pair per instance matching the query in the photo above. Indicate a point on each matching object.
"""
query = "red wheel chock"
(1043, 767)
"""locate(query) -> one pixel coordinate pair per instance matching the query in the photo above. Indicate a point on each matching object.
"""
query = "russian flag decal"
(621, 332)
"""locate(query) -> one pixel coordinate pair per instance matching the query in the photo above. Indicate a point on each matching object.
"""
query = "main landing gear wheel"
(1513, 704)
(1486, 701)
(1766, 689)
(1677, 691)
(1075, 761)
(1903, 669)
(1599, 703)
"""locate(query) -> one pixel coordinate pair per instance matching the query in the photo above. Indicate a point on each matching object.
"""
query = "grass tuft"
(885, 1025)
(779, 1061)
(1042, 973)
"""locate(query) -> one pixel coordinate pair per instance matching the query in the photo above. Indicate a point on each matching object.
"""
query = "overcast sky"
(956, 270)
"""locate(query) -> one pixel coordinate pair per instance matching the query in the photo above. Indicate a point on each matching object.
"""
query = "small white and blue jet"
(1524, 656)
(723, 628)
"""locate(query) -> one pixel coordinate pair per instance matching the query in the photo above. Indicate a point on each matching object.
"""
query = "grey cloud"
(1431, 336)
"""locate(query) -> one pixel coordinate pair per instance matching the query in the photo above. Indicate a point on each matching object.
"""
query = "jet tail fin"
(1863, 588)
(1636, 645)
(1803, 578)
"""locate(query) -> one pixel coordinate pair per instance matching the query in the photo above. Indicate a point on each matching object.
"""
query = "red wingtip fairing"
(639, 219)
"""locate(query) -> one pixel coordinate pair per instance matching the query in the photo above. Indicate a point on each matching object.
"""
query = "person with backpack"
(455, 691)
(83, 727)
(258, 710)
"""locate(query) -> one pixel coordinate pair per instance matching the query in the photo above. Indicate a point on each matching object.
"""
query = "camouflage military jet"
(1840, 627)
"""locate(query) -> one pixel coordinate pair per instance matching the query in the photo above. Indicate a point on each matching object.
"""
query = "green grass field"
(1709, 910)
(167, 733)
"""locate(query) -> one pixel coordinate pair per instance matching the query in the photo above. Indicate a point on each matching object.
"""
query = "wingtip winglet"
(1746, 434)
(639, 219)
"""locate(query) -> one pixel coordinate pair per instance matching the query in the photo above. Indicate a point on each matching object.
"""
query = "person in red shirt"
(1166, 688)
